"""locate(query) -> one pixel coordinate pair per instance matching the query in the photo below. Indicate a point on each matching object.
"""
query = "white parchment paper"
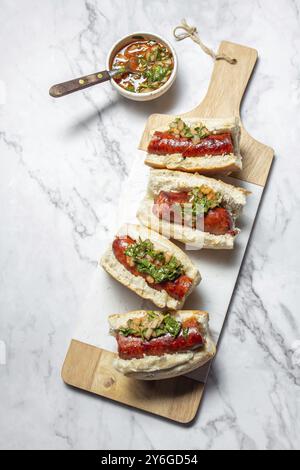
(219, 271)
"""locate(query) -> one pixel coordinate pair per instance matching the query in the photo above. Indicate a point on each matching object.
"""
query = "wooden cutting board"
(90, 368)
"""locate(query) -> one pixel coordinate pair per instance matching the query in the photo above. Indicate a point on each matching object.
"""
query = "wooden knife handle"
(62, 89)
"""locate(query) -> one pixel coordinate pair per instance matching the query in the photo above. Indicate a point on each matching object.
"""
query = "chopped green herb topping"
(149, 261)
(196, 132)
(171, 325)
(127, 331)
(185, 332)
(153, 325)
(202, 200)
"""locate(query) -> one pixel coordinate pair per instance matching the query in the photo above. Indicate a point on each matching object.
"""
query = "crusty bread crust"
(221, 164)
(168, 365)
(208, 165)
(234, 199)
(137, 283)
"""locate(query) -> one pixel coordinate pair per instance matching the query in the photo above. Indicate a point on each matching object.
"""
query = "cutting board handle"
(228, 82)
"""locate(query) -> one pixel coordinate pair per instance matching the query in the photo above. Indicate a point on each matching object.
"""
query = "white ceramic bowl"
(152, 95)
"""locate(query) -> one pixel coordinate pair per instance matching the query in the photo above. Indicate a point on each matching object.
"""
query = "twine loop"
(187, 31)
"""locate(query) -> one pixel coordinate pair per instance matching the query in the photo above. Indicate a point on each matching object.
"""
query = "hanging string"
(191, 32)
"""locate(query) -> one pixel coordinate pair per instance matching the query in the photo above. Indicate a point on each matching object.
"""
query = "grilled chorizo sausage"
(165, 143)
(135, 347)
(176, 289)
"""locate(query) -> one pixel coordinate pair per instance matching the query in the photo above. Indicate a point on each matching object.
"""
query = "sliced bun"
(234, 199)
(137, 283)
(208, 165)
(168, 365)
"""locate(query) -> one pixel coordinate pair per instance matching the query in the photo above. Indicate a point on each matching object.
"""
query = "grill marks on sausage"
(176, 289)
(165, 143)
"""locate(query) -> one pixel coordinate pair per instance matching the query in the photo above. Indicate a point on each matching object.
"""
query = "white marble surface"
(62, 164)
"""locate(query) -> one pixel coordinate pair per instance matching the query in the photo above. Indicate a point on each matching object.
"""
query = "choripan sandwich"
(193, 209)
(156, 345)
(151, 266)
(206, 146)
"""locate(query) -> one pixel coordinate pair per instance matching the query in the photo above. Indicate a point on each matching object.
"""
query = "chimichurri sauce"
(151, 63)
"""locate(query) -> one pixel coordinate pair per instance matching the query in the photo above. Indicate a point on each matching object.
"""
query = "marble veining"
(63, 163)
